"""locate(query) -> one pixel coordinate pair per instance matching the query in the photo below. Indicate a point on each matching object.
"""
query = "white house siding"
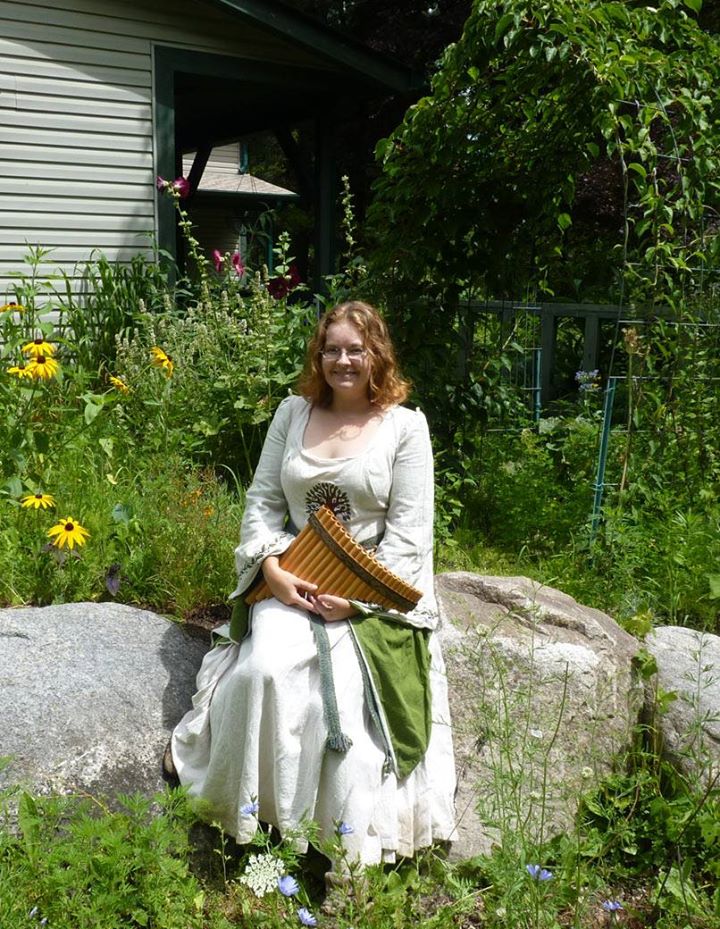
(76, 129)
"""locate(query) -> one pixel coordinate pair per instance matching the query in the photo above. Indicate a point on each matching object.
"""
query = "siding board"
(70, 205)
(112, 143)
(81, 89)
(80, 105)
(52, 70)
(45, 188)
(68, 161)
(84, 58)
(73, 122)
(89, 222)
(86, 239)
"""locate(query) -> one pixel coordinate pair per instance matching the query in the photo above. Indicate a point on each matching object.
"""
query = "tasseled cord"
(337, 741)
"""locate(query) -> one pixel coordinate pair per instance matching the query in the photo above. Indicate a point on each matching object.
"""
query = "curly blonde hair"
(386, 388)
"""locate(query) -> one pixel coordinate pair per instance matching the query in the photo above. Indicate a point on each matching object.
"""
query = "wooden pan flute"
(325, 554)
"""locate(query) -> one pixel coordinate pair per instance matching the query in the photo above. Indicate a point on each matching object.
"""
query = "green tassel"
(337, 740)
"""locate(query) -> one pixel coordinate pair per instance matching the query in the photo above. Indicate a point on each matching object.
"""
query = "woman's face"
(345, 362)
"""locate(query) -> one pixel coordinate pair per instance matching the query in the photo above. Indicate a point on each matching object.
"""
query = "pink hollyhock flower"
(218, 260)
(182, 186)
(238, 264)
(161, 183)
(280, 287)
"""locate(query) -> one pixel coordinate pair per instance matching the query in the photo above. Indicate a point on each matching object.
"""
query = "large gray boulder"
(688, 664)
(544, 697)
(90, 694)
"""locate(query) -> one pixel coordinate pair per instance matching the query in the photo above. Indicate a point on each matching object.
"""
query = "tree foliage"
(568, 144)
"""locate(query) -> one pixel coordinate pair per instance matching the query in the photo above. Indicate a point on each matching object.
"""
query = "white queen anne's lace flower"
(262, 873)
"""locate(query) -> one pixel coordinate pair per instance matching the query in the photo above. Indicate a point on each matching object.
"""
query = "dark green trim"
(164, 111)
(229, 67)
(327, 43)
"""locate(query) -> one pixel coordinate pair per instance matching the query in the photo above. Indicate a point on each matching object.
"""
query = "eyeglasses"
(353, 354)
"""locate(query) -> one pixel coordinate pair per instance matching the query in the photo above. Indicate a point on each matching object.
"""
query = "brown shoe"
(169, 771)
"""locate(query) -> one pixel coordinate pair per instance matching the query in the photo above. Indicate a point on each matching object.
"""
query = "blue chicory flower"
(611, 906)
(343, 828)
(306, 917)
(538, 873)
(287, 885)
(250, 809)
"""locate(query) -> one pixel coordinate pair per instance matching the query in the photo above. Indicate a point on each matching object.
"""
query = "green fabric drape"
(399, 661)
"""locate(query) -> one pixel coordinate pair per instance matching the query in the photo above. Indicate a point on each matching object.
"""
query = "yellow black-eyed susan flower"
(12, 308)
(38, 500)
(20, 370)
(119, 384)
(43, 367)
(68, 533)
(161, 359)
(39, 347)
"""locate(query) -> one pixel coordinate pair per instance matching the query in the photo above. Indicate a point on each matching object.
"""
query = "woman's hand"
(286, 587)
(332, 609)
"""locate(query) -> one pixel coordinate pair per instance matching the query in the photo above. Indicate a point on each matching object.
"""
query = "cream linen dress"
(257, 731)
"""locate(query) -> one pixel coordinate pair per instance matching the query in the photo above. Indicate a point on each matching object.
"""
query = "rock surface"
(688, 665)
(90, 693)
(542, 692)
(543, 696)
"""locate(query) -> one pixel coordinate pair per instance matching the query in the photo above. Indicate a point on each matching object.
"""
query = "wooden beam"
(198, 167)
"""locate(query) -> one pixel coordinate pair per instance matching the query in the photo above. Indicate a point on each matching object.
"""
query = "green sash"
(399, 661)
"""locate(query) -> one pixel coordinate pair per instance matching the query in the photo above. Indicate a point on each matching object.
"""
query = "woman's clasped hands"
(294, 591)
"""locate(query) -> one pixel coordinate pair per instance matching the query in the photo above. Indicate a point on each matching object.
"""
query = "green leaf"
(503, 25)
(694, 5)
(106, 445)
(13, 486)
(122, 513)
(91, 412)
(564, 221)
(638, 169)
(714, 582)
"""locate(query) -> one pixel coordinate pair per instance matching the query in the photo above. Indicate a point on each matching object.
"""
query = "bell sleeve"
(262, 531)
(407, 544)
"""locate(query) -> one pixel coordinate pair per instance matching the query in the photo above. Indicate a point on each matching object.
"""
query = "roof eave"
(326, 42)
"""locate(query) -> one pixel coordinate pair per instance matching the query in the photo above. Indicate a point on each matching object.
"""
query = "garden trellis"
(630, 358)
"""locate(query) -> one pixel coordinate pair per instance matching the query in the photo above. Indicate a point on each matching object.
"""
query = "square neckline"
(360, 454)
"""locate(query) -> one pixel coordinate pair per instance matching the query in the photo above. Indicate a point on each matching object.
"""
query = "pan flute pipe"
(325, 554)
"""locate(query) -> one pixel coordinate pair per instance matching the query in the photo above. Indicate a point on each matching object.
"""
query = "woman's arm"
(262, 532)
(407, 544)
